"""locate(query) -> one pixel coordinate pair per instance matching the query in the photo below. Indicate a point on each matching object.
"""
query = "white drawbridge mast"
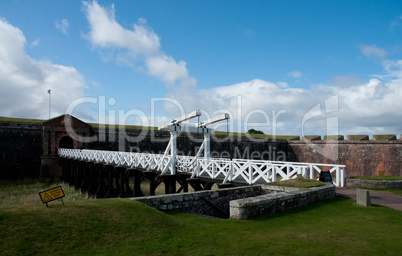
(174, 126)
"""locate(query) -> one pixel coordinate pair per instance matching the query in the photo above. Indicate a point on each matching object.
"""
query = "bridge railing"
(249, 171)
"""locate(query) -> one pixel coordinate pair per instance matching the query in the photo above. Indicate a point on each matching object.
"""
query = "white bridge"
(240, 170)
(202, 165)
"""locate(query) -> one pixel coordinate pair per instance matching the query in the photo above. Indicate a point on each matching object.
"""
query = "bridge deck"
(235, 170)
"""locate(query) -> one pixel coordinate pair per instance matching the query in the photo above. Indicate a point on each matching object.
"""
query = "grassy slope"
(124, 227)
(391, 190)
(20, 193)
(383, 136)
(377, 177)
(303, 183)
(21, 120)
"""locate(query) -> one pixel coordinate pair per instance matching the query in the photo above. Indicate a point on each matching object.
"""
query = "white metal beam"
(213, 120)
(181, 119)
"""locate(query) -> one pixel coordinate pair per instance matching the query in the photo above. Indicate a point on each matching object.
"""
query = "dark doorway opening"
(66, 142)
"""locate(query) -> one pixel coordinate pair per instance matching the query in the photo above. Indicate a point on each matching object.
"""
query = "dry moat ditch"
(240, 202)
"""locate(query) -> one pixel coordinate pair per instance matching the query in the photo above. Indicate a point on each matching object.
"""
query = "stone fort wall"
(21, 149)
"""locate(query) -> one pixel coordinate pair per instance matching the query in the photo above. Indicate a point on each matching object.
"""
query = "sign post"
(52, 194)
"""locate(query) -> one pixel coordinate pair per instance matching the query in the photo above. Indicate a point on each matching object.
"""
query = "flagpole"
(50, 100)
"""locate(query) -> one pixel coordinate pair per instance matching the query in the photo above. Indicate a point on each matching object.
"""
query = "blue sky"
(284, 67)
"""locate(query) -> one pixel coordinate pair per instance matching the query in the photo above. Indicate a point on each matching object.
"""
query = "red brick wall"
(360, 157)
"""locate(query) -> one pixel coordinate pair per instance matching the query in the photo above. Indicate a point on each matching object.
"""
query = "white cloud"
(62, 25)
(95, 84)
(365, 107)
(166, 69)
(394, 68)
(296, 74)
(35, 43)
(24, 81)
(371, 106)
(372, 51)
(283, 84)
(140, 43)
(395, 23)
(107, 32)
(347, 80)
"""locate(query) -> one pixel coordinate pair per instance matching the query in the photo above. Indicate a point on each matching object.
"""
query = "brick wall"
(361, 157)
(20, 150)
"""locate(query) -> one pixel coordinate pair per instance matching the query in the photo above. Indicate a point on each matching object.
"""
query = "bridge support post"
(77, 174)
(170, 183)
(182, 180)
(124, 187)
(138, 177)
(64, 168)
(101, 189)
(87, 167)
(199, 185)
(94, 184)
(153, 181)
(110, 171)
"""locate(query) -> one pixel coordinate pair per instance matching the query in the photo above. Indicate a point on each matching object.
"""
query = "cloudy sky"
(283, 67)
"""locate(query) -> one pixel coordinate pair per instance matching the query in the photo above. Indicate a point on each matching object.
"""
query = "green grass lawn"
(383, 136)
(20, 120)
(21, 193)
(356, 137)
(389, 190)
(125, 227)
(377, 177)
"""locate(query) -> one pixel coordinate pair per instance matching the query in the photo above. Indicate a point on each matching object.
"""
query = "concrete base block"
(363, 197)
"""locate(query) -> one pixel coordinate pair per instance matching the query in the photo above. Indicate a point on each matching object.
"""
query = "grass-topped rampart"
(385, 137)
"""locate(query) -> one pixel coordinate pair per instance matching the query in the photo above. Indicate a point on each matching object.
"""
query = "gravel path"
(376, 197)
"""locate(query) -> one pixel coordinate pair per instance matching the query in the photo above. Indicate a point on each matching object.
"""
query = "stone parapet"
(212, 202)
(364, 183)
(286, 198)
(241, 202)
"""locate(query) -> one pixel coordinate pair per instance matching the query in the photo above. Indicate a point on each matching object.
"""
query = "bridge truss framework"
(235, 170)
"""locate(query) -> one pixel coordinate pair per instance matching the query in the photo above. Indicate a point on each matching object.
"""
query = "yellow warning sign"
(51, 194)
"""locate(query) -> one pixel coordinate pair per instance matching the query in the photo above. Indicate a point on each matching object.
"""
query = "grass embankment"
(391, 190)
(22, 193)
(384, 136)
(124, 227)
(124, 127)
(377, 177)
(299, 183)
(21, 120)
